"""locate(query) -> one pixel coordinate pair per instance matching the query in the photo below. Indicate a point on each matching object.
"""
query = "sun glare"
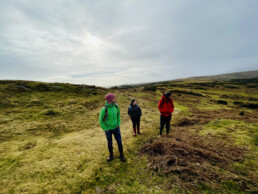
(93, 40)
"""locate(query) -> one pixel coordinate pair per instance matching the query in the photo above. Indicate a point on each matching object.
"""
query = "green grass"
(210, 104)
(244, 93)
(180, 107)
(51, 141)
(242, 133)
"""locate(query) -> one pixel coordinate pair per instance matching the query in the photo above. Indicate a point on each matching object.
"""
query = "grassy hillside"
(51, 141)
(240, 77)
(225, 77)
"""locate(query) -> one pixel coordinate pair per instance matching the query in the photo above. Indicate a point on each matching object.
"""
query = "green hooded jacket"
(113, 117)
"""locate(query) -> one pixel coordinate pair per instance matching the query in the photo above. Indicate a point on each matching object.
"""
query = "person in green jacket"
(110, 120)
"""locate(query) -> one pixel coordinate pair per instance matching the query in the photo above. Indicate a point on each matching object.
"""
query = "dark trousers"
(117, 135)
(165, 121)
(136, 121)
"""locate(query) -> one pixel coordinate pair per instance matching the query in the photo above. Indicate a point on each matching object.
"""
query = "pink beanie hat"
(109, 97)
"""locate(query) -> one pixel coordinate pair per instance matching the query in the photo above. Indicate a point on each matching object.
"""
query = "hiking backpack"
(168, 101)
(106, 112)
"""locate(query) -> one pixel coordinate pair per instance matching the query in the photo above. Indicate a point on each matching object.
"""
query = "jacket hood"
(111, 104)
(163, 96)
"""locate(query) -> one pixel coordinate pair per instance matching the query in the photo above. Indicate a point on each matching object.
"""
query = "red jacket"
(166, 107)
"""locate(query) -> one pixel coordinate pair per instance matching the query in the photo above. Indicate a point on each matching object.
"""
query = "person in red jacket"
(166, 108)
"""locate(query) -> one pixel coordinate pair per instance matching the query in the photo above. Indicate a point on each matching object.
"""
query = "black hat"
(167, 94)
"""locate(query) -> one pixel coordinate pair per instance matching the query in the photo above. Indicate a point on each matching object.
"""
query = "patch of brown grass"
(195, 159)
(205, 116)
(202, 117)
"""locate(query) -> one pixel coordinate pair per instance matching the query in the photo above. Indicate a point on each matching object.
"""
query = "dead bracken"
(195, 159)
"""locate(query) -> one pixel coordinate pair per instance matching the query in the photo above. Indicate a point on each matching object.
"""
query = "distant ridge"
(223, 77)
(220, 77)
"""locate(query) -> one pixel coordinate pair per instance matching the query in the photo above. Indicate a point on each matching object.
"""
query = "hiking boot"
(110, 158)
(122, 158)
(160, 132)
(138, 131)
(134, 131)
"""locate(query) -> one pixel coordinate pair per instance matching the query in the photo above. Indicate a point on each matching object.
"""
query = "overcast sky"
(114, 42)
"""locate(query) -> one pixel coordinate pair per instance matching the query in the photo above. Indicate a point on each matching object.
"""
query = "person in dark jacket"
(135, 112)
(166, 108)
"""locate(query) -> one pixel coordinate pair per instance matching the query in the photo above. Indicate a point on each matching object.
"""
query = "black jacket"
(134, 111)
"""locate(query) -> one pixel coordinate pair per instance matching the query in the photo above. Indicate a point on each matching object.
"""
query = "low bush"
(51, 112)
(251, 105)
(150, 88)
(253, 99)
(251, 86)
(224, 96)
(222, 102)
(41, 87)
(238, 103)
(246, 105)
(242, 113)
(187, 92)
(231, 87)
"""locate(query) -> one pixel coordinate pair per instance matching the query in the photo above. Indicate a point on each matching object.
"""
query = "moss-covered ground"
(51, 140)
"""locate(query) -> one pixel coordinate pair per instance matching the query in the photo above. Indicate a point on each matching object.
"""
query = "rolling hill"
(225, 77)
(51, 141)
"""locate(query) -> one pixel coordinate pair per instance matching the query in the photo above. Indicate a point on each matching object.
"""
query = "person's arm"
(159, 106)
(119, 117)
(140, 111)
(172, 104)
(101, 117)
(129, 111)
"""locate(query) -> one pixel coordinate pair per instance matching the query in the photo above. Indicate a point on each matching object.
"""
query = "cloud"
(118, 42)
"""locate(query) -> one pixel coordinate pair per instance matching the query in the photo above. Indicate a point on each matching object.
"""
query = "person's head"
(133, 102)
(167, 94)
(111, 98)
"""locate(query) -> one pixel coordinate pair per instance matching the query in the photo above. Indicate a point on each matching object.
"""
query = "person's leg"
(134, 126)
(162, 123)
(118, 138)
(110, 144)
(138, 125)
(168, 119)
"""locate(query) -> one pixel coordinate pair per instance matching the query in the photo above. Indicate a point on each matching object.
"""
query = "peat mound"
(195, 159)
(193, 121)
(205, 116)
